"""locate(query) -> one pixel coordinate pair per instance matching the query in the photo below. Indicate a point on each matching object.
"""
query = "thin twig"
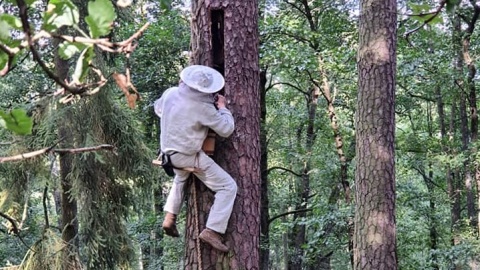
(45, 209)
(289, 213)
(284, 169)
(15, 229)
(12, 221)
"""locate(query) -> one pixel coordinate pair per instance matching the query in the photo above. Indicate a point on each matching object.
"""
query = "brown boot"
(169, 225)
(213, 239)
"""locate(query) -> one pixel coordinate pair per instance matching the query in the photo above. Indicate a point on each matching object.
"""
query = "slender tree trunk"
(327, 94)
(432, 219)
(345, 184)
(264, 202)
(472, 101)
(375, 229)
(298, 234)
(224, 36)
(455, 184)
(68, 202)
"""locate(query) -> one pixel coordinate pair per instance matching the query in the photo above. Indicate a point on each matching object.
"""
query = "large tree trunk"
(224, 36)
(375, 231)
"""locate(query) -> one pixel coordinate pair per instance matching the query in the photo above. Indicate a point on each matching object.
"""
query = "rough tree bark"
(225, 37)
(375, 229)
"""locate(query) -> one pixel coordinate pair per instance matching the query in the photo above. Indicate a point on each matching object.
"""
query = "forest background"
(308, 53)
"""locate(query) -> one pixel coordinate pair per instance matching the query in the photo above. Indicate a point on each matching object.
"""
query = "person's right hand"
(220, 101)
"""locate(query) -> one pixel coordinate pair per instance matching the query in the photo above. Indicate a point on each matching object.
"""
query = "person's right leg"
(174, 203)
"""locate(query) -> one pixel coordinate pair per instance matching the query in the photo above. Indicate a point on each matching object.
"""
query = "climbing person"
(187, 112)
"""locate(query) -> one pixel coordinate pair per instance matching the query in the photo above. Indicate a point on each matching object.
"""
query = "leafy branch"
(60, 14)
(64, 13)
(432, 14)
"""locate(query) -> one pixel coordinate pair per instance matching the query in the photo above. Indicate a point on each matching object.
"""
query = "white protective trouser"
(214, 177)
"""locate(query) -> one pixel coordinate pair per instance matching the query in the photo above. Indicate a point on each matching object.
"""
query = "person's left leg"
(225, 188)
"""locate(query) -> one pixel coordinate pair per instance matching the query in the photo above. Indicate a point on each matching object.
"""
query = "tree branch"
(289, 213)
(426, 178)
(283, 169)
(295, 7)
(14, 229)
(60, 151)
(12, 221)
(435, 14)
(291, 85)
(76, 88)
(45, 208)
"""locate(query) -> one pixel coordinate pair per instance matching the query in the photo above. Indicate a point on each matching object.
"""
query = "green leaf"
(3, 60)
(417, 9)
(67, 49)
(28, 2)
(60, 13)
(452, 4)
(17, 121)
(424, 18)
(166, 4)
(11, 20)
(101, 15)
(81, 68)
(4, 31)
(7, 23)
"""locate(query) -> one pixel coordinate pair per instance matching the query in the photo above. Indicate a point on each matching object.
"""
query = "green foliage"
(46, 253)
(422, 13)
(60, 13)
(67, 50)
(83, 63)
(452, 4)
(114, 188)
(16, 121)
(100, 18)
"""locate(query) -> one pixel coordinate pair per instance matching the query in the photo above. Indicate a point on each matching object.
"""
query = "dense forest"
(355, 144)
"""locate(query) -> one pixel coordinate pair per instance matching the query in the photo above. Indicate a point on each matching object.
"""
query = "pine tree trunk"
(375, 229)
(224, 36)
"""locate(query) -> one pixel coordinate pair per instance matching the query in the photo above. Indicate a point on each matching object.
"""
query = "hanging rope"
(197, 226)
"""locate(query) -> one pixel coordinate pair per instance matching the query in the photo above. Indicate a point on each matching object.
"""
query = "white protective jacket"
(186, 115)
